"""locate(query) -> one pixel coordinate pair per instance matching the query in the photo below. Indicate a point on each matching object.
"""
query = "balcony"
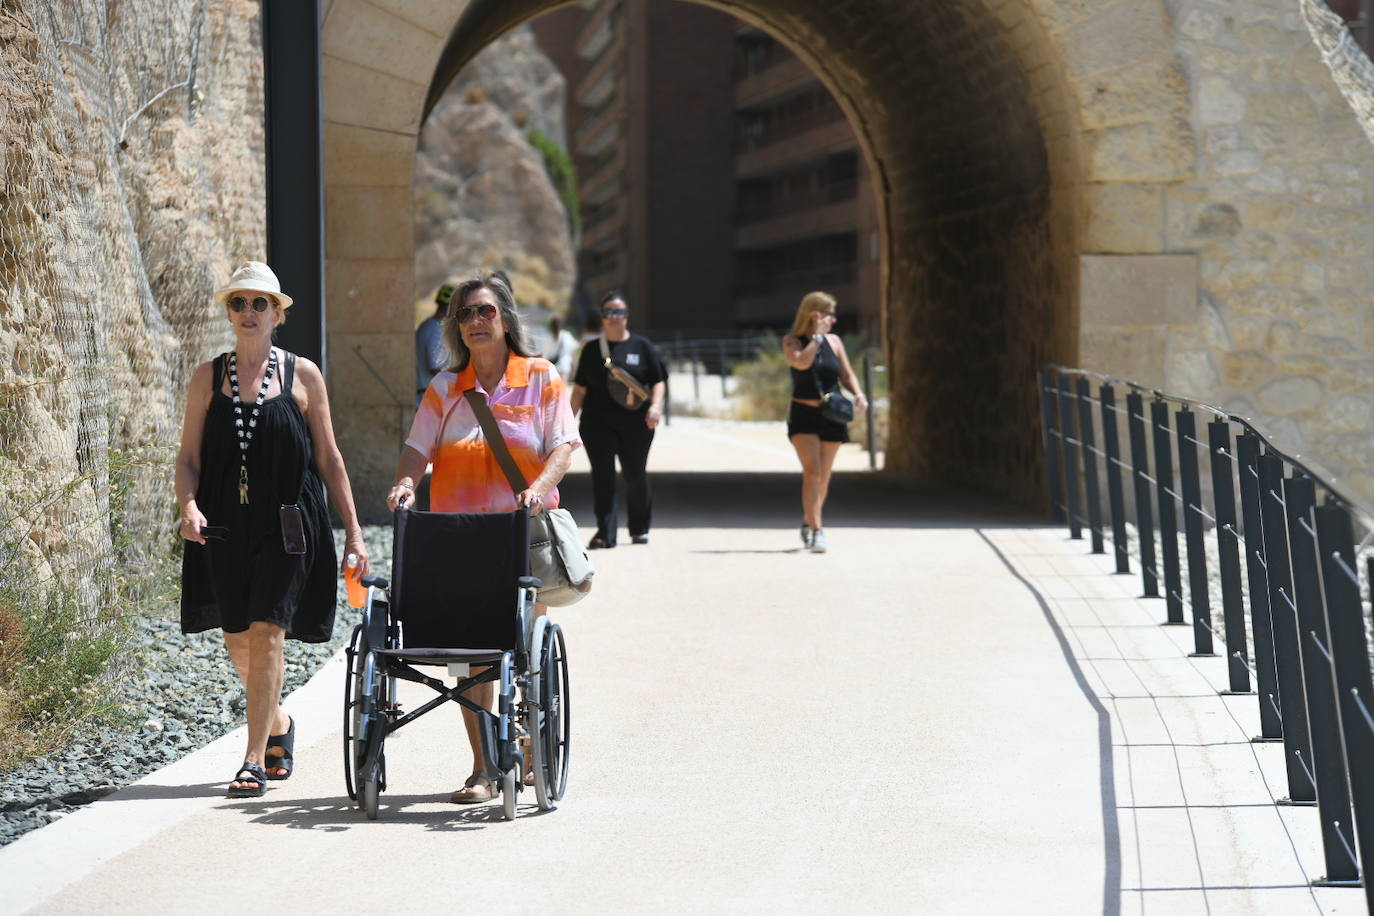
(600, 131)
(597, 84)
(832, 193)
(775, 310)
(603, 178)
(822, 220)
(598, 31)
(802, 278)
(602, 229)
(785, 76)
(818, 138)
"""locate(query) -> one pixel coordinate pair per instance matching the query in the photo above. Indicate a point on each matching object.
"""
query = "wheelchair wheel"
(510, 783)
(555, 729)
(533, 711)
(352, 714)
(372, 722)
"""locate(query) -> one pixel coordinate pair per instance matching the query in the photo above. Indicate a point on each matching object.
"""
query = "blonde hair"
(811, 302)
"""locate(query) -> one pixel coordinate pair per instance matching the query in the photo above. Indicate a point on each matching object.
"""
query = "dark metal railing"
(1305, 641)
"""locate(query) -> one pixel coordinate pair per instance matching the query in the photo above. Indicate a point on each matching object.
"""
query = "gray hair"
(499, 284)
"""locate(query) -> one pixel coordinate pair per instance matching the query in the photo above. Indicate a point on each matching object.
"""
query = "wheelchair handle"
(376, 581)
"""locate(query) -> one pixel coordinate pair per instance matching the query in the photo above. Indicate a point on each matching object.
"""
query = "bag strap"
(815, 374)
(625, 378)
(492, 433)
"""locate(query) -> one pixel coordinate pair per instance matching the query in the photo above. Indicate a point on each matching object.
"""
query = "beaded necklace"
(246, 434)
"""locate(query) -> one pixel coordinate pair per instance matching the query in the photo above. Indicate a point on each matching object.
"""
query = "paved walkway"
(956, 710)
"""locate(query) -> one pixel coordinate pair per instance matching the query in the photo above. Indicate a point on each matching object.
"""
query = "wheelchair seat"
(455, 579)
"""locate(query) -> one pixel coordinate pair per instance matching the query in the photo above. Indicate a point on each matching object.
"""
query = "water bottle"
(357, 592)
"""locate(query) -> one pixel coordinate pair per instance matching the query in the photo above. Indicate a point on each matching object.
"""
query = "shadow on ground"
(858, 499)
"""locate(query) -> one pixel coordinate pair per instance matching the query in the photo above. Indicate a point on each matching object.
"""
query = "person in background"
(818, 365)
(563, 348)
(431, 356)
(256, 442)
(611, 431)
(591, 327)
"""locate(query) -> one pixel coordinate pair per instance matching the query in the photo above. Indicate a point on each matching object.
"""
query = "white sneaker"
(806, 535)
(818, 541)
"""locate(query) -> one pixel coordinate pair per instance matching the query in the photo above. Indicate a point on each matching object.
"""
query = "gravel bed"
(181, 695)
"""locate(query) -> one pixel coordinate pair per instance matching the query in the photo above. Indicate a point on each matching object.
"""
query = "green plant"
(763, 386)
(64, 606)
(562, 173)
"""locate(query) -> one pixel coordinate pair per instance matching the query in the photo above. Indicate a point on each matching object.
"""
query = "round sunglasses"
(239, 303)
(466, 313)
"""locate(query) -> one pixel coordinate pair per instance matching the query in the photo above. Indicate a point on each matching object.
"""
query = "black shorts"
(805, 420)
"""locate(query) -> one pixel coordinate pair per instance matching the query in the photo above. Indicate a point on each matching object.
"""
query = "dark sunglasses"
(239, 303)
(468, 312)
(615, 313)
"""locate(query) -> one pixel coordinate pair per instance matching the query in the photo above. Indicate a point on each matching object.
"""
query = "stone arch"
(980, 119)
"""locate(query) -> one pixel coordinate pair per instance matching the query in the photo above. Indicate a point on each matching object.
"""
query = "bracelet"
(818, 337)
(408, 486)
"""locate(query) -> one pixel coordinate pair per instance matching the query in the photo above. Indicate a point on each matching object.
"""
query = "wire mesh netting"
(132, 179)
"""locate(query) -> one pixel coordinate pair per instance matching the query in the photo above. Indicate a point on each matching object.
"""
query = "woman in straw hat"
(257, 454)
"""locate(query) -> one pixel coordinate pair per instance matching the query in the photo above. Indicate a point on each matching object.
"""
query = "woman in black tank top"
(818, 365)
(256, 438)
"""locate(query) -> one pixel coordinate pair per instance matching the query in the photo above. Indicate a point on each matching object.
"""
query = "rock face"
(133, 179)
(483, 197)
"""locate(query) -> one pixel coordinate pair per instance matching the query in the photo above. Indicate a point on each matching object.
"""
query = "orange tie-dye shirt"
(531, 408)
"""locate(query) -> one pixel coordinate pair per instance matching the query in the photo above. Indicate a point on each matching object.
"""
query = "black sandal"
(255, 776)
(287, 743)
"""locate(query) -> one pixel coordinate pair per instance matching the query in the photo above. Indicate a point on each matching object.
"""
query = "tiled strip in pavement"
(1200, 830)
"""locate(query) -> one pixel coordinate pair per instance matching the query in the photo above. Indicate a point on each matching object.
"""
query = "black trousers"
(629, 442)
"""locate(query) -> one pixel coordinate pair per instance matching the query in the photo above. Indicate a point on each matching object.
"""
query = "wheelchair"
(460, 597)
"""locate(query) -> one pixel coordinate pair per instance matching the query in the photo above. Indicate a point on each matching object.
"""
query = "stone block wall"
(1267, 192)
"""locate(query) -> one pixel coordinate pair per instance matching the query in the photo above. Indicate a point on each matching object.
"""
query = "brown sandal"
(476, 789)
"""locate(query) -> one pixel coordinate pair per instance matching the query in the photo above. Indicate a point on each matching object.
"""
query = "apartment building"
(805, 212)
(649, 81)
(719, 179)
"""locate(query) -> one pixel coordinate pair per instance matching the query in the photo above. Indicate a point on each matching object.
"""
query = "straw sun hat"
(252, 277)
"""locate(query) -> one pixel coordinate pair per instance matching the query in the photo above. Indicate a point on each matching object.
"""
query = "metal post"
(1085, 435)
(1228, 554)
(870, 414)
(1327, 762)
(1115, 498)
(1070, 440)
(696, 380)
(1168, 516)
(720, 351)
(1261, 626)
(1297, 742)
(1140, 471)
(1049, 423)
(295, 167)
(1354, 689)
(1190, 485)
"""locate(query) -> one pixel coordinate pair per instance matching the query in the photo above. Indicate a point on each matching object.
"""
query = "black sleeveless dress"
(249, 576)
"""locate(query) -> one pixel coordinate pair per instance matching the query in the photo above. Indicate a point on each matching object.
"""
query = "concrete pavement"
(956, 710)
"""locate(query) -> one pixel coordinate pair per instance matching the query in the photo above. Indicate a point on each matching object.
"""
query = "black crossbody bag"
(835, 407)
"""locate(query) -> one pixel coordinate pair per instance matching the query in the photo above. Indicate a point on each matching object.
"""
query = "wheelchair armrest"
(529, 582)
(375, 581)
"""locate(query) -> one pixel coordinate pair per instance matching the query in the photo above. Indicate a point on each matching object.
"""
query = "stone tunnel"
(1049, 176)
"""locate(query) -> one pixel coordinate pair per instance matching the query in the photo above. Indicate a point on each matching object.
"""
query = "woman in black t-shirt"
(610, 430)
(819, 365)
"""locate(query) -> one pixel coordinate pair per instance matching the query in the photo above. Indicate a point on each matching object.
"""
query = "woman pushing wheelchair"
(490, 355)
